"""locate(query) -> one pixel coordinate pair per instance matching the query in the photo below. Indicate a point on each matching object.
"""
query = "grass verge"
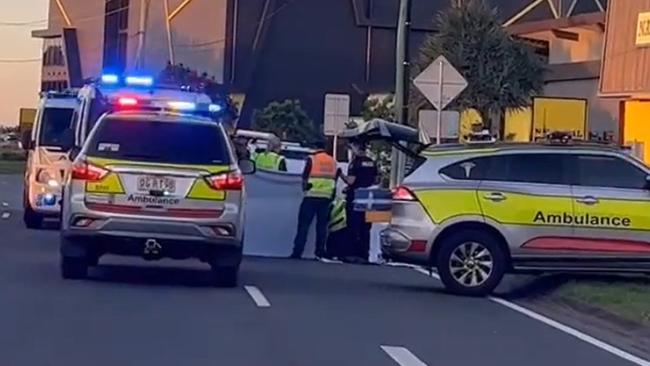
(12, 167)
(629, 299)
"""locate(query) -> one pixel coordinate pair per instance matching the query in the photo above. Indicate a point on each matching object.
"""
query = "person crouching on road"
(271, 158)
(362, 173)
(319, 187)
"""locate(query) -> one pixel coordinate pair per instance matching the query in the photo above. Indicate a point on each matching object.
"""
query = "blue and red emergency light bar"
(134, 101)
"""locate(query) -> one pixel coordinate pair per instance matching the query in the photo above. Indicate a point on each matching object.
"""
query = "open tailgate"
(404, 138)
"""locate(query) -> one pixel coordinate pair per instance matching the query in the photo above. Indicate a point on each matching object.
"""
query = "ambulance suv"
(476, 212)
(155, 184)
(47, 161)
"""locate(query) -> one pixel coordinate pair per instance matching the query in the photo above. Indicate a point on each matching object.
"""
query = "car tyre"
(225, 276)
(32, 219)
(74, 268)
(479, 270)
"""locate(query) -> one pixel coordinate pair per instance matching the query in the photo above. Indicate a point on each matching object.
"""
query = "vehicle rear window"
(160, 142)
(54, 124)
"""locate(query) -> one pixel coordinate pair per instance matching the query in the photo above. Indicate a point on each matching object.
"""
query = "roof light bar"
(127, 101)
(214, 108)
(182, 106)
(139, 80)
(110, 79)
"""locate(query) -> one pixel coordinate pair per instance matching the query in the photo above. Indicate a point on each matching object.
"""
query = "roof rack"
(67, 93)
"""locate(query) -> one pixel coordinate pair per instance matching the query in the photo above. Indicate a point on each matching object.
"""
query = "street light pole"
(402, 85)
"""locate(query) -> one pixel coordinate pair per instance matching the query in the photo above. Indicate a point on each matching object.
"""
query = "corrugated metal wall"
(626, 67)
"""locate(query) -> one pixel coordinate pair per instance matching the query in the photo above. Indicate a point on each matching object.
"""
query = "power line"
(84, 19)
(22, 24)
(20, 61)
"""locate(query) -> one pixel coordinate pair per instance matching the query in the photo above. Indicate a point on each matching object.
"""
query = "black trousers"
(310, 207)
(358, 233)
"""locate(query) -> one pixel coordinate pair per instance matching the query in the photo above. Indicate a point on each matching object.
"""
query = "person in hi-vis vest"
(319, 187)
(271, 158)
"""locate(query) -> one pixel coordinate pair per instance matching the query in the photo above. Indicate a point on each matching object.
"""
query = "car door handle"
(495, 196)
(587, 200)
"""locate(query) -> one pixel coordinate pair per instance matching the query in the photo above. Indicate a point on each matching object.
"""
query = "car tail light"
(231, 181)
(403, 194)
(88, 172)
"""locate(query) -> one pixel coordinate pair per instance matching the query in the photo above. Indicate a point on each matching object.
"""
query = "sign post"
(440, 83)
(337, 114)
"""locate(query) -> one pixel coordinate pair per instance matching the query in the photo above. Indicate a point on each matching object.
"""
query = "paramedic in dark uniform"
(362, 173)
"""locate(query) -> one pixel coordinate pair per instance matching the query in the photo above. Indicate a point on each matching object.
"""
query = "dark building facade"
(305, 49)
(263, 50)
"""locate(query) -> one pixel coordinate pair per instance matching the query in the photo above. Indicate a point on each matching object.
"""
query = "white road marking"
(258, 297)
(573, 332)
(402, 356)
(561, 327)
(5, 204)
(5, 215)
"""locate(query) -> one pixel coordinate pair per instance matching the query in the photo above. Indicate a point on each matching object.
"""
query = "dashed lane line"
(5, 215)
(257, 296)
(559, 326)
(402, 356)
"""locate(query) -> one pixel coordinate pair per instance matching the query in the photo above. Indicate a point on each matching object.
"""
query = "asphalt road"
(132, 312)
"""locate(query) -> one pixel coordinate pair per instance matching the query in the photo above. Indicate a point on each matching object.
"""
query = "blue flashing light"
(110, 79)
(214, 108)
(182, 106)
(49, 199)
(139, 80)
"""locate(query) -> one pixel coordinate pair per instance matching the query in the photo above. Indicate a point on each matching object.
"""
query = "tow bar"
(152, 249)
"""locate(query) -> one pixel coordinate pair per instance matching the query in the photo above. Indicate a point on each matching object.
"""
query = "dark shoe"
(294, 256)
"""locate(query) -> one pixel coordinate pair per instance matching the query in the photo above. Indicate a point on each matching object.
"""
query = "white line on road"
(402, 356)
(573, 332)
(5, 204)
(5, 215)
(561, 327)
(258, 297)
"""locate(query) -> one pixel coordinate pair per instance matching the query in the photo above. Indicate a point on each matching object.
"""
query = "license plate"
(153, 183)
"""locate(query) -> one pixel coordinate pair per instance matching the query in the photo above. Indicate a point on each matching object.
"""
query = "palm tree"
(502, 71)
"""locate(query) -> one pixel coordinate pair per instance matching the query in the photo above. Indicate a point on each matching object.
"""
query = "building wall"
(589, 47)
(625, 65)
(88, 17)
(603, 113)
(198, 34)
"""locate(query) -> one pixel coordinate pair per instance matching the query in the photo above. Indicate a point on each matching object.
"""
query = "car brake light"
(231, 181)
(88, 172)
(127, 102)
(403, 194)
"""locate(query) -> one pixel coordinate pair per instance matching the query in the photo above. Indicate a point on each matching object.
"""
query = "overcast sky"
(19, 82)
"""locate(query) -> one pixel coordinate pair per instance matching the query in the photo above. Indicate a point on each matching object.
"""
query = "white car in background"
(47, 160)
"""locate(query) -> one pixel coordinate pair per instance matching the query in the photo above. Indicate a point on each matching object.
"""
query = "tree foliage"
(502, 71)
(286, 120)
(379, 108)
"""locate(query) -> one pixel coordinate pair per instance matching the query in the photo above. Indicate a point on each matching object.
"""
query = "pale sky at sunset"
(19, 82)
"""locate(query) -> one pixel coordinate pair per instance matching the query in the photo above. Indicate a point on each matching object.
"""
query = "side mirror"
(74, 152)
(247, 166)
(26, 140)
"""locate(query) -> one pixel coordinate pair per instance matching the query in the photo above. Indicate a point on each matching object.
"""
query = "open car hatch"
(404, 138)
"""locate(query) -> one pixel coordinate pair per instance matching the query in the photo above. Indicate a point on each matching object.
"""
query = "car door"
(612, 207)
(527, 195)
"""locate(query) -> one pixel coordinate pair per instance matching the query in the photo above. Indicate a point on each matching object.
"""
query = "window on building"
(116, 28)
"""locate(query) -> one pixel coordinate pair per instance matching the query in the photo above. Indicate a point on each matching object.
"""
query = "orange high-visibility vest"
(322, 175)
